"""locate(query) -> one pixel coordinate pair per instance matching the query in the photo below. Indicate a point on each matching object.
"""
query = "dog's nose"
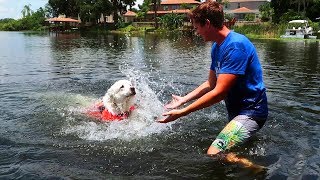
(133, 90)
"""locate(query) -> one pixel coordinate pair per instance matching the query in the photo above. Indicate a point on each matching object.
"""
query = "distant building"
(169, 5)
(129, 16)
(237, 8)
(62, 23)
(106, 19)
(240, 8)
(172, 6)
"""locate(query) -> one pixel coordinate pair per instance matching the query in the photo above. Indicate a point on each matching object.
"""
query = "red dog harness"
(104, 114)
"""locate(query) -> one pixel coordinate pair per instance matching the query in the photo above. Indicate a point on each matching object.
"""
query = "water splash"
(141, 123)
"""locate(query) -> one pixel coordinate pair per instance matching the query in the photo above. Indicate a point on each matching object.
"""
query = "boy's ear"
(208, 23)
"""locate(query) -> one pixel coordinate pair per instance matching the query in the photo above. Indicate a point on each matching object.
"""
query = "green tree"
(156, 4)
(30, 21)
(302, 4)
(266, 11)
(49, 12)
(6, 20)
(144, 8)
(26, 11)
(291, 15)
(249, 17)
(303, 8)
(172, 20)
(120, 6)
(70, 8)
(313, 10)
(280, 7)
(86, 11)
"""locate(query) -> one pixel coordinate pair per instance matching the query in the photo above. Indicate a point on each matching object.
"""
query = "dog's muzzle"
(133, 91)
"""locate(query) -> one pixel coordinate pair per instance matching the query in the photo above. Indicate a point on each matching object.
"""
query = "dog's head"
(121, 90)
(119, 97)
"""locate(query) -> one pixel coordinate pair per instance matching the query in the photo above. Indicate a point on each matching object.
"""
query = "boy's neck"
(222, 34)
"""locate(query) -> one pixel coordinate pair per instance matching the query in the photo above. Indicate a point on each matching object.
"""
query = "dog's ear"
(110, 93)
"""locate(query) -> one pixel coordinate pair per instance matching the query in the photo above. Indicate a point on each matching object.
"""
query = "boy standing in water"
(235, 76)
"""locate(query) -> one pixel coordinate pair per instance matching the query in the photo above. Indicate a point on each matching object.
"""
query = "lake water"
(47, 81)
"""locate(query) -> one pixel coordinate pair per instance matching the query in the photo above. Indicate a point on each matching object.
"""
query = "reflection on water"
(48, 79)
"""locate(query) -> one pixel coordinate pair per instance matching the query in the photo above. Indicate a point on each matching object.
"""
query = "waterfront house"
(62, 23)
(129, 16)
(240, 8)
(172, 6)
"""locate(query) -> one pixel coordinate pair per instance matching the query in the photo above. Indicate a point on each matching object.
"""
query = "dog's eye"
(122, 87)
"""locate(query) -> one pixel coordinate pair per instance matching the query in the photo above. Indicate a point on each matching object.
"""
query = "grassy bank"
(267, 30)
(263, 30)
(255, 31)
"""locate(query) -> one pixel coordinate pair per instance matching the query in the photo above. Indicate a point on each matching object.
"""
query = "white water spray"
(141, 123)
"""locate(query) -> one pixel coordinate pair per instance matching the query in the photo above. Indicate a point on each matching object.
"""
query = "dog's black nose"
(133, 90)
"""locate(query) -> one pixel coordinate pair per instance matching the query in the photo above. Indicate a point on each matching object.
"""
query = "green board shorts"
(237, 131)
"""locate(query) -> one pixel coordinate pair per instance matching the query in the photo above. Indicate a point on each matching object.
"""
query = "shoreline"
(159, 32)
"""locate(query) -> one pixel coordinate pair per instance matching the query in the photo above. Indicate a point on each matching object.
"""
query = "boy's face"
(203, 31)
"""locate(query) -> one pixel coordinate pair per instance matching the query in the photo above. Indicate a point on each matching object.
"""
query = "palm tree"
(156, 3)
(26, 11)
(305, 3)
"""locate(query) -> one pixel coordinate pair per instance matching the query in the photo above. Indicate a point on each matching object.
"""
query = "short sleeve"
(234, 62)
(213, 56)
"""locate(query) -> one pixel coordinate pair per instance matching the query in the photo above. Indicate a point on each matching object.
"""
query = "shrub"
(263, 30)
(172, 21)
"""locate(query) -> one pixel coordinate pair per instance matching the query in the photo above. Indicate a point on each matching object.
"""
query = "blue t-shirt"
(237, 55)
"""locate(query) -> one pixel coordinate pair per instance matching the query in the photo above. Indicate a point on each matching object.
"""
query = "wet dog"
(116, 104)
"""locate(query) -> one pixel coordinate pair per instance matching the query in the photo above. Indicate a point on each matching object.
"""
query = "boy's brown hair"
(209, 10)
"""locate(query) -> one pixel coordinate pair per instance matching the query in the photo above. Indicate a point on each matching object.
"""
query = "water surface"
(47, 80)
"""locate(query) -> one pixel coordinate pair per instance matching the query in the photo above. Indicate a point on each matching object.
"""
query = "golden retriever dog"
(116, 104)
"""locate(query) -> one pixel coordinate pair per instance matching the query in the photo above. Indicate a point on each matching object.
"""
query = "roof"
(242, 10)
(166, 2)
(171, 11)
(62, 19)
(246, 1)
(130, 13)
(298, 21)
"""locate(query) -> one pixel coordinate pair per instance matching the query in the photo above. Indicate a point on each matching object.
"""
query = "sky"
(13, 8)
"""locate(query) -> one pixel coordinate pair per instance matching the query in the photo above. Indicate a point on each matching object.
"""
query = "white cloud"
(3, 10)
(3, 1)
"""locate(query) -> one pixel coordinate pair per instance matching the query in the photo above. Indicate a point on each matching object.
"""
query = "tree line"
(284, 10)
(89, 10)
(276, 11)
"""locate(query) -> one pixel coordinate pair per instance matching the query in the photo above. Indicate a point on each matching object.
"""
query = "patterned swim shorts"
(237, 131)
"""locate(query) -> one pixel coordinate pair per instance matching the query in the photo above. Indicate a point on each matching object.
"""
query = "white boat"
(299, 29)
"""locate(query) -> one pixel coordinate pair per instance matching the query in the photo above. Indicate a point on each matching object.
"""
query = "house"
(172, 6)
(236, 8)
(169, 5)
(175, 6)
(240, 8)
(62, 23)
(129, 16)
(105, 18)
